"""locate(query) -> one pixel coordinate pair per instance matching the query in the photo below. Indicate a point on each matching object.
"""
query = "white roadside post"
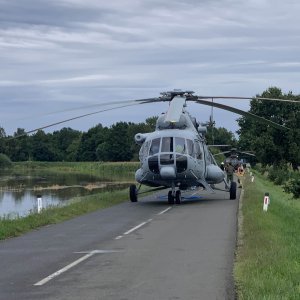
(252, 178)
(266, 202)
(39, 203)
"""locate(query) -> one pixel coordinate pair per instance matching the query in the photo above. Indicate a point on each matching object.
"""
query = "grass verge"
(268, 255)
(80, 206)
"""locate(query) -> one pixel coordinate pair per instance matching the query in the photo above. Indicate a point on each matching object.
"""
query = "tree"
(90, 142)
(2, 140)
(66, 143)
(273, 146)
(118, 143)
(42, 147)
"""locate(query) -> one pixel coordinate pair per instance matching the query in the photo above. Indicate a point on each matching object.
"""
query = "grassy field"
(79, 205)
(268, 255)
(108, 170)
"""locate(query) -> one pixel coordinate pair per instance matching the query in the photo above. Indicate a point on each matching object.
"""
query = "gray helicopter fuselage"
(176, 157)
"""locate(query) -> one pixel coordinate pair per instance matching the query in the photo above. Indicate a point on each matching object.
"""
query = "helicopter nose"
(168, 172)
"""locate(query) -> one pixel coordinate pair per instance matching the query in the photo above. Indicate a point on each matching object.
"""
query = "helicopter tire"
(133, 193)
(170, 198)
(178, 197)
(232, 190)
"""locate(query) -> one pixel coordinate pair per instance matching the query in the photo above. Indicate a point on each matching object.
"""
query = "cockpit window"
(167, 144)
(180, 145)
(198, 150)
(154, 146)
(190, 147)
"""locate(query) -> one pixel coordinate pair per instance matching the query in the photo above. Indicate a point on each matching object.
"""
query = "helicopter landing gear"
(178, 197)
(133, 193)
(232, 190)
(174, 196)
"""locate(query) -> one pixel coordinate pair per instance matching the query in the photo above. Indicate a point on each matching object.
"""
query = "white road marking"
(73, 264)
(164, 211)
(66, 268)
(118, 237)
(99, 251)
(136, 227)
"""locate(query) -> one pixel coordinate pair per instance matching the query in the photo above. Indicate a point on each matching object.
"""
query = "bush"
(278, 175)
(5, 161)
(293, 186)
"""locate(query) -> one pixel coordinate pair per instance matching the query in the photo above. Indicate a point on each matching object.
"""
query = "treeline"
(99, 143)
(278, 151)
(273, 146)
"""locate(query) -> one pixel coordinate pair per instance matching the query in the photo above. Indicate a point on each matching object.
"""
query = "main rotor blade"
(248, 98)
(242, 112)
(71, 119)
(220, 153)
(148, 100)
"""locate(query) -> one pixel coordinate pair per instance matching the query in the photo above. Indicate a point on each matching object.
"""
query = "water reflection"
(18, 192)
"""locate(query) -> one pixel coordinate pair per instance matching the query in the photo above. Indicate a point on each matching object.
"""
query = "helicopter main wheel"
(170, 197)
(232, 190)
(178, 197)
(133, 193)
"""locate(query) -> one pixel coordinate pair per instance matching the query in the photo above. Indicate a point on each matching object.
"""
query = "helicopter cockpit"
(163, 151)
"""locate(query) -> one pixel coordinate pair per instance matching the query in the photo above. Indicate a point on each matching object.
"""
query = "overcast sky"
(64, 54)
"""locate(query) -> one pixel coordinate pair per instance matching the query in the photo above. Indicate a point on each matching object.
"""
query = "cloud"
(72, 52)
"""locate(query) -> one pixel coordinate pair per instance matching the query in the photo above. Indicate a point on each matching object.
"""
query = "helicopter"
(234, 157)
(176, 155)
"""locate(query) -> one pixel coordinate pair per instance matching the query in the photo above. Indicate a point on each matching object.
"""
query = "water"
(19, 191)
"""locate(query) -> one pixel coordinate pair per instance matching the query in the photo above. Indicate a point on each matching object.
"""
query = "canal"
(19, 190)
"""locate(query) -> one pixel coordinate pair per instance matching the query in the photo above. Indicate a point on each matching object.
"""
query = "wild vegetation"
(80, 205)
(120, 171)
(273, 146)
(267, 263)
(99, 143)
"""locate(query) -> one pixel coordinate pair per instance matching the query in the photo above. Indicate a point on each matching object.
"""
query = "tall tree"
(273, 146)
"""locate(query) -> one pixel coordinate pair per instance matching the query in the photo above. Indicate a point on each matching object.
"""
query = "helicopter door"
(153, 156)
(198, 158)
(198, 150)
(181, 151)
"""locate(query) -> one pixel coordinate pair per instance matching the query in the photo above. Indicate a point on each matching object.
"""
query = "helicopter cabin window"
(167, 144)
(197, 150)
(154, 146)
(144, 150)
(180, 145)
(190, 147)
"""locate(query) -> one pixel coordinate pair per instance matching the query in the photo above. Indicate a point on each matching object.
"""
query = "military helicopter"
(234, 157)
(175, 155)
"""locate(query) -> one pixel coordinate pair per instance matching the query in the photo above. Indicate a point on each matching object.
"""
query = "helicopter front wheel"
(178, 197)
(133, 193)
(170, 197)
(232, 190)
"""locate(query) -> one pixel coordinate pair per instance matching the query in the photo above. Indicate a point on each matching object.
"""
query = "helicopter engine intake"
(140, 138)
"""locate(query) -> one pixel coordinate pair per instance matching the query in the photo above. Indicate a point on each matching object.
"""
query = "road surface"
(144, 250)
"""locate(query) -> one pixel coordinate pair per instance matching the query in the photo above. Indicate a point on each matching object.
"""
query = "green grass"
(81, 205)
(119, 171)
(268, 256)
(108, 170)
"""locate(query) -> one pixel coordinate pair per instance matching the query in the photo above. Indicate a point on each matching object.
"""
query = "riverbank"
(122, 172)
(267, 261)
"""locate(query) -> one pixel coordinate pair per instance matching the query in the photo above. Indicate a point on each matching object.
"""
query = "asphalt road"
(144, 250)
